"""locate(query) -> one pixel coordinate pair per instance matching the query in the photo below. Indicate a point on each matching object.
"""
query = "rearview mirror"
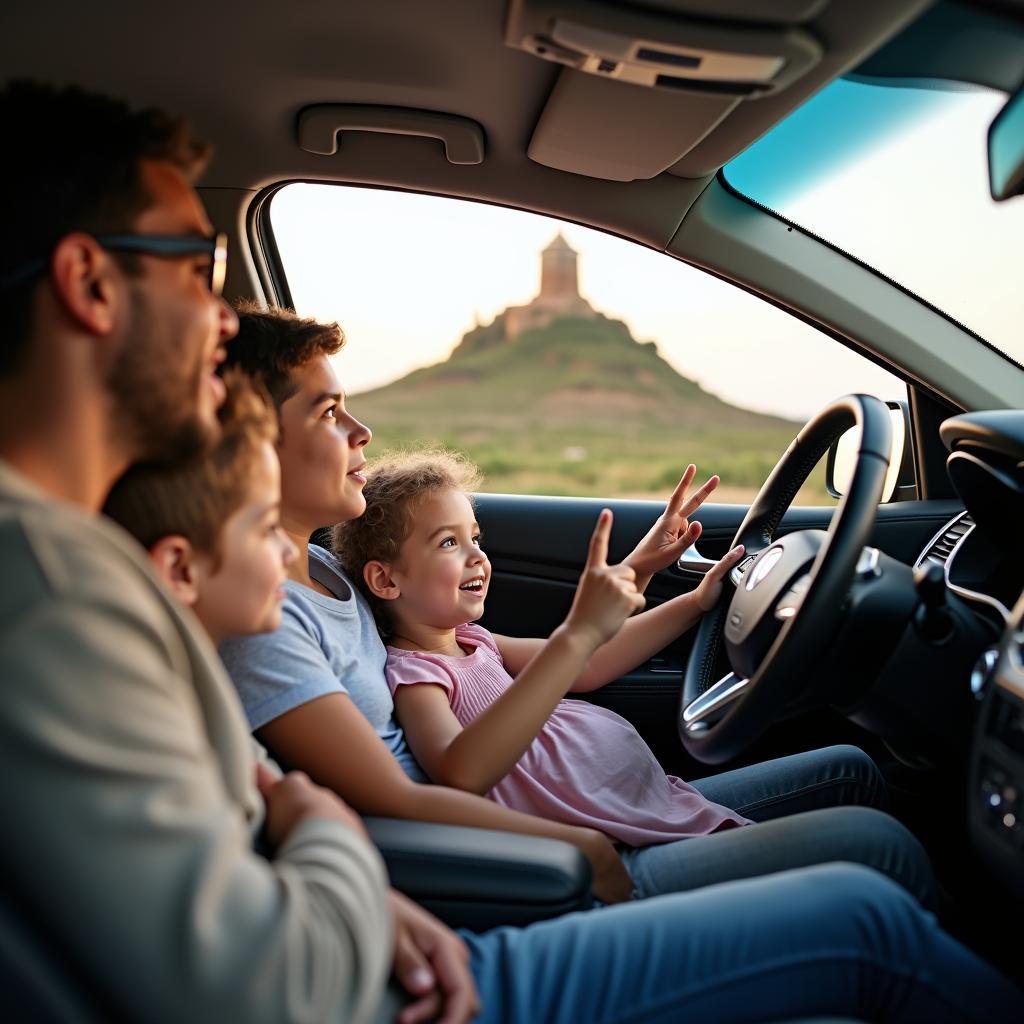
(899, 481)
(1006, 149)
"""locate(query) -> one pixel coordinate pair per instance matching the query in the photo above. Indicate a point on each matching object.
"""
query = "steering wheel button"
(739, 571)
(736, 619)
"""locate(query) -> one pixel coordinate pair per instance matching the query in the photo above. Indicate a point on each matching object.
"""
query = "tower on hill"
(558, 278)
(559, 292)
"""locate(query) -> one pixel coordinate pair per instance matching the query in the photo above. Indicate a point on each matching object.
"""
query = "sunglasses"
(168, 246)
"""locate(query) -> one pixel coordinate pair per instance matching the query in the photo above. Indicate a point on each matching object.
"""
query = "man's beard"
(155, 399)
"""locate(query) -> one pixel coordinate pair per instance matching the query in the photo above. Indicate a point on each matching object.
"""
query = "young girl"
(316, 695)
(486, 713)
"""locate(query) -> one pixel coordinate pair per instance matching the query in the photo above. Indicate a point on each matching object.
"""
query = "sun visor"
(640, 89)
(620, 132)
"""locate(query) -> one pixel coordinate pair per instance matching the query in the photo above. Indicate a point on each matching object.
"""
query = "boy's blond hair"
(195, 498)
(396, 483)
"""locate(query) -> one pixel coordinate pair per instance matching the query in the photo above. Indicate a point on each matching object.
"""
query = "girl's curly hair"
(397, 483)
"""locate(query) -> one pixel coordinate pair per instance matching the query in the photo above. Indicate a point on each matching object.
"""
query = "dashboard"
(981, 552)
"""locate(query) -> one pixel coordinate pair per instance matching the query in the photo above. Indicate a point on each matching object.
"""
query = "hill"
(574, 407)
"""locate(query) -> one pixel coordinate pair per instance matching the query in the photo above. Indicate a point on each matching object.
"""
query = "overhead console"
(674, 84)
(675, 48)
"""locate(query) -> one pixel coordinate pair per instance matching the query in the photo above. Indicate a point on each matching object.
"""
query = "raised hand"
(672, 532)
(606, 595)
(710, 589)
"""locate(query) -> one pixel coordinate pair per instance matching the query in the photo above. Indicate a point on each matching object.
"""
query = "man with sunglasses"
(128, 782)
(127, 778)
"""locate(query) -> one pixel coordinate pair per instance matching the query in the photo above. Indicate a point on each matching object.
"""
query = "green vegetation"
(579, 408)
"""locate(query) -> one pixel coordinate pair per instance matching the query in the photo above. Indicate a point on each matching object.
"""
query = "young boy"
(212, 525)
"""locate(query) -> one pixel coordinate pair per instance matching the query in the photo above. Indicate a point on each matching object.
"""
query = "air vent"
(942, 544)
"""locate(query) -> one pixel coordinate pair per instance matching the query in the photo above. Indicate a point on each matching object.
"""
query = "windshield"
(896, 175)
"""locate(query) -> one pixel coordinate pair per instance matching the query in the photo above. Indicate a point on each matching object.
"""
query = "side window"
(562, 360)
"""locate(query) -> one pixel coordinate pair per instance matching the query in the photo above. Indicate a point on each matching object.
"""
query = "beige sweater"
(129, 804)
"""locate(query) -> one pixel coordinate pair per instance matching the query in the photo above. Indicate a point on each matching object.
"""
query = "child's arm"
(330, 740)
(645, 635)
(672, 532)
(477, 757)
(639, 638)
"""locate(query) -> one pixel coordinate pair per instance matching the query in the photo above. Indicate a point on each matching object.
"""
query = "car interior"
(897, 624)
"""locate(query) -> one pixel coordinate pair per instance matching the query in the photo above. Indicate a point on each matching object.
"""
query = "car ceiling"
(243, 72)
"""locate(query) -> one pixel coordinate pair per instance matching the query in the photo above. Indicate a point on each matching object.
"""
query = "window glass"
(562, 360)
(874, 169)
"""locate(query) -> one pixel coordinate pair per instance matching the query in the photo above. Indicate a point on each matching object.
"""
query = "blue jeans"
(835, 776)
(798, 804)
(832, 939)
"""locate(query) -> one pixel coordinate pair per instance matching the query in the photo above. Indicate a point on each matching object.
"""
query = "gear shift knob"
(932, 617)
(930, 581)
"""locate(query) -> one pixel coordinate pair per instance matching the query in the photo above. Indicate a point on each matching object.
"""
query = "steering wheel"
(783, 602)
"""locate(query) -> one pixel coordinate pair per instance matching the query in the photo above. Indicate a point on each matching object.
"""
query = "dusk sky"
(407, 305)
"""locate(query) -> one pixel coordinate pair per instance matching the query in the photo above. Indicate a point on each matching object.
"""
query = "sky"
(406, 275)
(917, 208)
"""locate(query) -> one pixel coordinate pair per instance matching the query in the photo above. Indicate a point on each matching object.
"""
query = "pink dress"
(587, 767)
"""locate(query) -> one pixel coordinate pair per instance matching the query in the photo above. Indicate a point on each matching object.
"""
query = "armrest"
(478, 878)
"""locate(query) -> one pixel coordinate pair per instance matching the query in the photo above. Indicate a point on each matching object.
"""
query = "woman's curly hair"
(396, 484)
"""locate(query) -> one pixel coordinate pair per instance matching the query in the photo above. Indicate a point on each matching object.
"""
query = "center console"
(997, 763)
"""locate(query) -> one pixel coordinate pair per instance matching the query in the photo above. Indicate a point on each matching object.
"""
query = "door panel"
(538, 545)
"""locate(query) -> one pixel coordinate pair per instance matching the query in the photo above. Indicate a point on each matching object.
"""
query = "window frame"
(924, 403)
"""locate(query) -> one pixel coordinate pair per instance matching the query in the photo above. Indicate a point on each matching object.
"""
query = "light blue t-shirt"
(323, 645)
